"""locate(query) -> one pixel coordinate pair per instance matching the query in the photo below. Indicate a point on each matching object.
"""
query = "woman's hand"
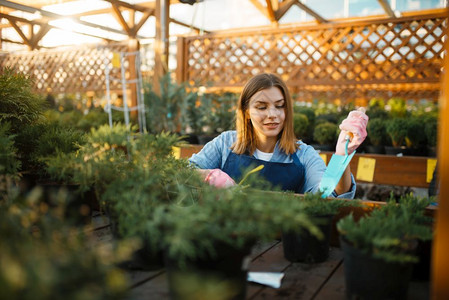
(353, 126)
(217, 178)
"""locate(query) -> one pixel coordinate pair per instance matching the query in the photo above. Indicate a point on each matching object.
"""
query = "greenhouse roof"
(64, 22)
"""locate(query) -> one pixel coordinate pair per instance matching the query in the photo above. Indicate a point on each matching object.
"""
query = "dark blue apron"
(287, 176)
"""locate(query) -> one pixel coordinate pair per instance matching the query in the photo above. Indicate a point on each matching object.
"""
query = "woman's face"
(267, 112)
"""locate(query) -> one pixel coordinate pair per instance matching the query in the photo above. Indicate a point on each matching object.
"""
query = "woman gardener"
(264, 136)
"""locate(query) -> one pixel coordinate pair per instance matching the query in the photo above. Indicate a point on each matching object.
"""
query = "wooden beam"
(283, 8)
(260, 7)
(25, 39)
(387, 8)
(142, 21)
(40, 23)
(308, 10)
(270, 12)
(55, 16)
(36, 37)
(440, 257)
(136, 7)
(187, 25)
(120, 19)
(161, 43)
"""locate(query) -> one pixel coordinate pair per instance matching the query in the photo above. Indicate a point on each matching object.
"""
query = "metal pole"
(108, 93)
(125, 102)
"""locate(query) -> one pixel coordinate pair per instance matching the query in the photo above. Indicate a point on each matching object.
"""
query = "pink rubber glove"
(217, 178)
(354, 126)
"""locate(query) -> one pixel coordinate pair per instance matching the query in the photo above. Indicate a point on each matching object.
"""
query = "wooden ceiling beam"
(283, 8)
(274, 10)
(44, 24)
(311, 12)
(120, 19)
(17, 28)
(270, 11)
(260, 8)
(136, 7)
(387, 8)
(36, 37)
(142, 21)
(187, 25)
(55, 16)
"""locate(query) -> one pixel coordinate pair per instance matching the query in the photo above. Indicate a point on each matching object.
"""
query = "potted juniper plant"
(130, 173)
(380, 248)
(415, 140)
(302, 246)
(42, 257)
(155, 179)
(377, 136)
(209, 233)
(325, 134)
(397, 131)
(300, 125)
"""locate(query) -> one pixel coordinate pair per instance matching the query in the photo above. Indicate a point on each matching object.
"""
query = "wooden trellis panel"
(70, 70)
(390, 57)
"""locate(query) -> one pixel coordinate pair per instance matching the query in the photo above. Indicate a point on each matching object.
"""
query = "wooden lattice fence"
(69, 70)
(399, 57)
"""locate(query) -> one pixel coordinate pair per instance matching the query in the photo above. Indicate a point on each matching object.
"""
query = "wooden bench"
(411, 171)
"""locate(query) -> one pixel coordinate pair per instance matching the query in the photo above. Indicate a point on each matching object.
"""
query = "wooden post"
(180, 59)
(161, 42)
(133, 46)
(440, 257)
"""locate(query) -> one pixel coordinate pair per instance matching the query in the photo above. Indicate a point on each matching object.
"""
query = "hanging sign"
(116, 59)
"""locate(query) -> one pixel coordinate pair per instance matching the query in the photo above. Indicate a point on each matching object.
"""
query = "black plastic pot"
(79, 205)
(379, 149)
(302, 246)
(223, 274)
(145, 259)
(371, 278)
(390, 150)
(326, 148)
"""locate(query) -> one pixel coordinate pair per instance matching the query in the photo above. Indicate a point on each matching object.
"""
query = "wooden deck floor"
(301, 281)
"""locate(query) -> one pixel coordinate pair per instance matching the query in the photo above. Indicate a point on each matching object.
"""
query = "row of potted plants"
(393, 127)
(152, 197)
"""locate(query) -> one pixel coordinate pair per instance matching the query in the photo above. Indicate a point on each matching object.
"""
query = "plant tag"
(365, 169)
(323, 157)
(272, 279)
(245, 263)
(334, 171)
(431, 164)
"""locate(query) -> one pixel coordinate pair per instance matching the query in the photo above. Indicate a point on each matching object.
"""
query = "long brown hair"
(246, 137)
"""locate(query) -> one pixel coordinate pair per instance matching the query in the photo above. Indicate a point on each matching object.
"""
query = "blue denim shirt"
(214, 155)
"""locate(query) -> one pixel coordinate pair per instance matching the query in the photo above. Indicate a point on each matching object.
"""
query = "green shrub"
(416, 136)
(167, 111)
(398, 108)
(9, 162)
(223, 110)
(397, 130)
(237, 216)
(325, 133)
(390, 232)
(431, 130)
(300, 125)
(43, 258)
(376, 130)
(310, 113)
(18, 104)
(376, 109)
